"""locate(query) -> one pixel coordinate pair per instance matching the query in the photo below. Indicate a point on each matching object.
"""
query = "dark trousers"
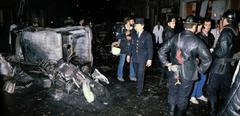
(218, 82)
(179, 94)
(139, 69)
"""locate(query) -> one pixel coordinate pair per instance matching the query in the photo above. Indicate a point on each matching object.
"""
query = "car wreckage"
(64, 56)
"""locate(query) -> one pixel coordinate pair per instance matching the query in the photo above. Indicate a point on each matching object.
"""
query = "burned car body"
(54, 44)
(64, 56)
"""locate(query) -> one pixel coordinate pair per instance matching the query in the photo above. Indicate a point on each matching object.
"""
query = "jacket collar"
(232, 28)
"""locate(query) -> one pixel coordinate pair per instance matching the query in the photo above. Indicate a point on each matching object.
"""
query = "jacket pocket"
(189, 70)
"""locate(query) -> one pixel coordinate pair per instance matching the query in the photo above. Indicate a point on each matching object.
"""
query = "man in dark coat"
(221, 70)
(185, 47)
(168, 33)
(141, 51)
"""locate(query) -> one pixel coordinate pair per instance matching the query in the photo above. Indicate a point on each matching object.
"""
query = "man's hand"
(211, 50)
(128, 58)
(128, 38)
(149, 63)
(171, 67)
(168, 64)
(128, 33)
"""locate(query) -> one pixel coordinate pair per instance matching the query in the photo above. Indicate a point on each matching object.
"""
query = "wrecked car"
(64, 56)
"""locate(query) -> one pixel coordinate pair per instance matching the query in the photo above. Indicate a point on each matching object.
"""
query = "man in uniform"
(141, 51)
(221, 71)
(185, 48)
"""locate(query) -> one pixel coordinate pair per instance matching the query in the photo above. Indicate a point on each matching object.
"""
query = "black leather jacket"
(232, 105)
(168, 33)
(191, 48)
(223, 51)
(208, 40)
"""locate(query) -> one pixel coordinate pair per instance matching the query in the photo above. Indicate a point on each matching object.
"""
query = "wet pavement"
(35, 101)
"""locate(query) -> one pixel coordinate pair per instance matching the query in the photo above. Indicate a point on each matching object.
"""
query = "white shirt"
(216, 35)
(139, 33)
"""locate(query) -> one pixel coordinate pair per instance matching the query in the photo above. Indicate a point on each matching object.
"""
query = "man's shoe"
(203, 98)
(133, 79)
(120, 79)
(194, 100)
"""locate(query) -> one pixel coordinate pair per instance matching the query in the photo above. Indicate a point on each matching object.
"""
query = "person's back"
(185, 47)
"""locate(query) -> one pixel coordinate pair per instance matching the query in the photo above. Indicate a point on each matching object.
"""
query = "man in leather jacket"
(185, 47)
(168, 33)
(221, 70)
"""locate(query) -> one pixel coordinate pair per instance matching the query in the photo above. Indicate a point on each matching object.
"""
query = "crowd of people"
(192, 54)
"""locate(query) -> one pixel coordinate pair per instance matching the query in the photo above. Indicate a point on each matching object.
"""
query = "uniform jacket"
(141, 48)
(191, 48)
(168, 33)
(223, 51)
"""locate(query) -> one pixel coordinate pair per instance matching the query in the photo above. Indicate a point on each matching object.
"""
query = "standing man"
(141, 52)
(216, 32)
(185, 47)
(124, 38)
(168, 33)
(221, 71)
(208, 39)
(157, 31)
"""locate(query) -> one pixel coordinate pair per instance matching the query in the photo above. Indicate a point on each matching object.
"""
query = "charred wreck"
(63, 58)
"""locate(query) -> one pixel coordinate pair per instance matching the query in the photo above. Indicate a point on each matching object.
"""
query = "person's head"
(68, 21)
(179, 20)
(139, 24)
(190, 23)
(199, 20)
(158, 22)
(230, 17)
(219, 24)
(81, 22)
(126, 20)
(207, 25)
(131, 21)
(35, 22)
(171, 22)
